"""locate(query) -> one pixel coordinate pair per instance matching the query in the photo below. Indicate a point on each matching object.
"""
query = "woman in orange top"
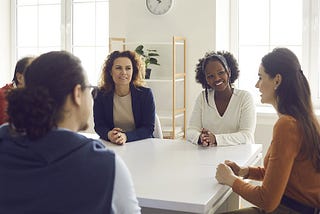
(291, 173)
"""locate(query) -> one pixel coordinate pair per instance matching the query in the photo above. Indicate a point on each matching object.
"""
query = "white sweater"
(236, 126)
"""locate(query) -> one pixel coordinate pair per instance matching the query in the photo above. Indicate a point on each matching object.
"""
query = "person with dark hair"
(124, 110)
(291, 173)
(17, 82)
(45, 166)
(222, 115)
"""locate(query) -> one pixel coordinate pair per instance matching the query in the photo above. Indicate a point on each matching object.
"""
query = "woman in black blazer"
(124, 109)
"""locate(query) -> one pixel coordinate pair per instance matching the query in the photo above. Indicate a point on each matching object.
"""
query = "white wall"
(5, 42)
(187, 18)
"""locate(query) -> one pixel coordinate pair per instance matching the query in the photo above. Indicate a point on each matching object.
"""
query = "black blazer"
(143, 108)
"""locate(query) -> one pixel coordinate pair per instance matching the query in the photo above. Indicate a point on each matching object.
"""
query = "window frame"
(310, 43)
(66, 34)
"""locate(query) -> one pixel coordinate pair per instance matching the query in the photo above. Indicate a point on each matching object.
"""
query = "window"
(259, 26)
(78, 26)
(36, 30)
(91, 35)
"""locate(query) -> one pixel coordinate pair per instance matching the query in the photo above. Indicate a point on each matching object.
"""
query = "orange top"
(284, 172)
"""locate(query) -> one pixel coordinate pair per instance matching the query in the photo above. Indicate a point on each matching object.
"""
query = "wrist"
(232, 180)
(110, 136)
(244, 172)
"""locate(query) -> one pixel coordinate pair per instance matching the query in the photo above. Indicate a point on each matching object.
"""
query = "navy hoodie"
(62, 172)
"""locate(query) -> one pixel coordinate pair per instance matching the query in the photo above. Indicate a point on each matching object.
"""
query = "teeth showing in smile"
(219, 83)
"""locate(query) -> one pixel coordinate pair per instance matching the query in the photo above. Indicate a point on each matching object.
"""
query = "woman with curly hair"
(124, 109)
(45, 166)
(222, 115)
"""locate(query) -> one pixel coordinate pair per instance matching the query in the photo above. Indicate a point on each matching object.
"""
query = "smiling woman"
(124, 109)
(291, 166)
(222, 115)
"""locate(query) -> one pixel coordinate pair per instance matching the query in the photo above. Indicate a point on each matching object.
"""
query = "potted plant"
(149, 57)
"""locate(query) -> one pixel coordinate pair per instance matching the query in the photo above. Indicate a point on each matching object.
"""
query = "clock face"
(159, 7)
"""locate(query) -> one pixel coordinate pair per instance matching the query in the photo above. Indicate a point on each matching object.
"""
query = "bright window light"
(49, 25)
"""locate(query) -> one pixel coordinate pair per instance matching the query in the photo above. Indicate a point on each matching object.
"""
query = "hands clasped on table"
(207, 138)
(117, 136)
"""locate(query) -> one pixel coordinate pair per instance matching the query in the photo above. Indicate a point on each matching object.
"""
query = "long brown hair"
(294, 99)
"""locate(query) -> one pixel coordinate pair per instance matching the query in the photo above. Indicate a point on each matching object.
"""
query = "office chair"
(157, 133)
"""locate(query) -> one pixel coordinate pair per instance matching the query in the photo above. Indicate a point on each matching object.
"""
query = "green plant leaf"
(149, 55)
(154, 61)
(139, 50)
(153, 54)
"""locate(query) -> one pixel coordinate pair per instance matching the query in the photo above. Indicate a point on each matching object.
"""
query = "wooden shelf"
(168, 132)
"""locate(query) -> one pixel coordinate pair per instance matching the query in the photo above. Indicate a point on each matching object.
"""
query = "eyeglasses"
(94, 90)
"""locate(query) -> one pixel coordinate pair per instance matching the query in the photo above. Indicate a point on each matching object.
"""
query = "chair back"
(157, 133)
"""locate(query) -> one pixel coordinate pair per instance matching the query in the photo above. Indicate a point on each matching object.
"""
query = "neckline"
(226, 109)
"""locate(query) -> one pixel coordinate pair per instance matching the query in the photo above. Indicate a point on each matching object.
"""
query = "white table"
(173, 175)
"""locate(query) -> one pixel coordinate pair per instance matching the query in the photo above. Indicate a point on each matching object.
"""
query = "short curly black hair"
(209, 56)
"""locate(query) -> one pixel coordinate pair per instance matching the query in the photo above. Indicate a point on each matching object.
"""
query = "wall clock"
(159, 7)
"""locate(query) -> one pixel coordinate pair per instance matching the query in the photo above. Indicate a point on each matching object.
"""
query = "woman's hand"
(225, 175)
(117, 136)
(237, 170)
(207, 138)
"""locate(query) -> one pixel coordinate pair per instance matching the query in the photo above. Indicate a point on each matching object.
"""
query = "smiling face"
(267, 87)
(122, 71)
(217, 76)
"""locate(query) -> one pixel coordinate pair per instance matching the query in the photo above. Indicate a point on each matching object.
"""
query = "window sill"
(267, 115)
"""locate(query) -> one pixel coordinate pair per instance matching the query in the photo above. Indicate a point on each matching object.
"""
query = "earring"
(275, 88)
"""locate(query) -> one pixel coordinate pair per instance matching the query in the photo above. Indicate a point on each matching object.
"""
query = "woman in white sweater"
(222, 115)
